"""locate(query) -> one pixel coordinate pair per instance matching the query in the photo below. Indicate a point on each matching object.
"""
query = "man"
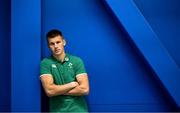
(63, 77)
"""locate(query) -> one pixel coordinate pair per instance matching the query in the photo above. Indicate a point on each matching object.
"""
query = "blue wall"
(5, 56)
(147, 43)
(119, 77)
(163, 16)
(25, 55)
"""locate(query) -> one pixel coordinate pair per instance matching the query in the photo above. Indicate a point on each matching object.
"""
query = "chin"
(57, 54)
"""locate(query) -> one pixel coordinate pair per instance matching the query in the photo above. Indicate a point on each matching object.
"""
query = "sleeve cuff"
(81, 74)
(45, 75)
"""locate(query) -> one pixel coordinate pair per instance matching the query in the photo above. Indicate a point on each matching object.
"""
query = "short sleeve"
(79, 67)
(44, 68)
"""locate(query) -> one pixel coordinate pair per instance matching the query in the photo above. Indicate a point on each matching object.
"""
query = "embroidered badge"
(70, 65)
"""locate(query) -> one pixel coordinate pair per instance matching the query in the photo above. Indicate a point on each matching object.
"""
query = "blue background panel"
(120, 80)
(25, 55)
(146, 41)
(5, 55)
(164, 18)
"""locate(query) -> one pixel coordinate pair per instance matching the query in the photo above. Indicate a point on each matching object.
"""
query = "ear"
(64, 42)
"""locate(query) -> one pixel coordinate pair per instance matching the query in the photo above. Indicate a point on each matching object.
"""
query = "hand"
(74, 84)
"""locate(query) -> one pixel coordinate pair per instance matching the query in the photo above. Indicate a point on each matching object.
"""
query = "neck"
(60, 57)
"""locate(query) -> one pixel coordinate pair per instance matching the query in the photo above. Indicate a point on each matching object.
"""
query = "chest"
(63, 72)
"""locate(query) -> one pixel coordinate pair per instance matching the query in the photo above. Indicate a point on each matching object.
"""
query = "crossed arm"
(75, 88)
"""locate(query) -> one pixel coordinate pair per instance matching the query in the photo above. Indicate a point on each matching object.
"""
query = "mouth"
(57, 50)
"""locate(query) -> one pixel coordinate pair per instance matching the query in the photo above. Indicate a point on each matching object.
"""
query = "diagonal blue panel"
(147, 42)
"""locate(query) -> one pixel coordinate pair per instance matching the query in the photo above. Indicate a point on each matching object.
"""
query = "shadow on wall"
(5, 56)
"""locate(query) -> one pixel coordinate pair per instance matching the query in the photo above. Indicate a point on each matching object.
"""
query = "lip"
(57, 50)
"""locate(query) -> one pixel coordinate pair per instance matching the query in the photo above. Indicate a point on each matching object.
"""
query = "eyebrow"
(55, 42)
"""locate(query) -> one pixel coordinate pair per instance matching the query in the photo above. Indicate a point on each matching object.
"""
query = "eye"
(58, 42)
(51, 43)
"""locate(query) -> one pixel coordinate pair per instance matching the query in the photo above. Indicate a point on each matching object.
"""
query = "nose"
(55, 45)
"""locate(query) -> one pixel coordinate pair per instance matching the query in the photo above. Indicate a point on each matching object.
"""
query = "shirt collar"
(66, 58)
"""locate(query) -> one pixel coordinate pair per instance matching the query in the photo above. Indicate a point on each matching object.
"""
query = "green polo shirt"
(62, 73)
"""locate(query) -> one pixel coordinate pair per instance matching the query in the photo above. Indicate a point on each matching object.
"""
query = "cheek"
(61, 46)
(51, 48)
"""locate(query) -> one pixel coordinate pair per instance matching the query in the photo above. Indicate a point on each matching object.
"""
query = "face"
(56, 45)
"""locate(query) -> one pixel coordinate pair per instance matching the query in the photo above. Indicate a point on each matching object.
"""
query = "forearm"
(82, 88)
(54, 90)
(78, 91)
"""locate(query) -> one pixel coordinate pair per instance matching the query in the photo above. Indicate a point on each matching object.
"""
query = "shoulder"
(75, 59)
(47, 61)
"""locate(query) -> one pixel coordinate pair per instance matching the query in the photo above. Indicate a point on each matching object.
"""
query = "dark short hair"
(53, 33)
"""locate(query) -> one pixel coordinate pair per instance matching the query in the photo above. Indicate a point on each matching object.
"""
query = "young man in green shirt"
(63, 77)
